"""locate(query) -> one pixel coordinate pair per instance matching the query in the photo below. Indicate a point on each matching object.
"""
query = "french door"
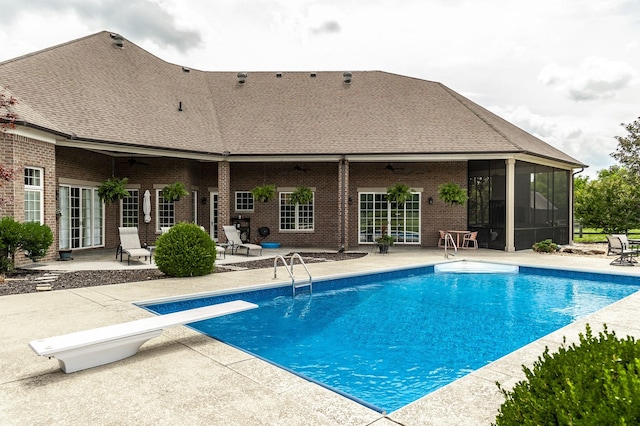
(377, 216)
(82, 220)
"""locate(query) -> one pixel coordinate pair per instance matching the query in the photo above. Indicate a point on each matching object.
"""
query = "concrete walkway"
(183, 377)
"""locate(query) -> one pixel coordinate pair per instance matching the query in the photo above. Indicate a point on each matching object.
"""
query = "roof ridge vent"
(118, 40)
(242, 77)
(346, 76)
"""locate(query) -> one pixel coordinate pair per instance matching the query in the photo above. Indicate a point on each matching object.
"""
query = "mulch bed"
(28, 281)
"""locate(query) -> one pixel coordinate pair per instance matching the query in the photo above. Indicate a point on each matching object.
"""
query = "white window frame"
(298, 213)
(135, 213)
(244, 201)
(38, 190)
(383, 214)
(164, 206)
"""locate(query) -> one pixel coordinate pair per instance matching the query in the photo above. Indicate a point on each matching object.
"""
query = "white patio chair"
(130, 244)
(235, 242)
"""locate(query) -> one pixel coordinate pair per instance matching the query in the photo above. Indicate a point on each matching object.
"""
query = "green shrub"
(546, 246)
(10, 238)
(36, 240)
(185, 251)
(596, 382)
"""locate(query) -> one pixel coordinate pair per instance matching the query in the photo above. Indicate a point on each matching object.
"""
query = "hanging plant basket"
(451, 193)
(174, 191)
(112, 190)
(302, 195)
(264, 193)
(399, 193)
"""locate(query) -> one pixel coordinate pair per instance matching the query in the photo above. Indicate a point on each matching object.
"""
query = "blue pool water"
(389, 339)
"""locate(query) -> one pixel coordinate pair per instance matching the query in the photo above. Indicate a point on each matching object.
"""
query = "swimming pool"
(388, 339)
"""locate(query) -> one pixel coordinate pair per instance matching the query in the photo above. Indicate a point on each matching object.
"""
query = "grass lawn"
(591, 235)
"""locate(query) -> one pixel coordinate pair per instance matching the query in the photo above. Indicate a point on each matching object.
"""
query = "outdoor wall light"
(430, 200)
(203, 201)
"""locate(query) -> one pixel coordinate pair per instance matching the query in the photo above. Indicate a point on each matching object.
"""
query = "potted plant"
(302, 195)
(384, 242)
(264, 193)
(174, 191)
(451, 193)
(399, 193)
(113, 189)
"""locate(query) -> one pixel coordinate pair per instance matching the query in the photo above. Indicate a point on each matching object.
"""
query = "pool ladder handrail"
(448, 237)
(289, 268)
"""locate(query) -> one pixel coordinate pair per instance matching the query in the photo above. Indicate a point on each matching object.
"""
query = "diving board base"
(102, 353)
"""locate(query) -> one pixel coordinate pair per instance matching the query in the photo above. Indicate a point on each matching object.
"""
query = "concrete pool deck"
(183, 377)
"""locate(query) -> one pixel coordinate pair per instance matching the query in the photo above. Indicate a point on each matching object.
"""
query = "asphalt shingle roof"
(93, 90)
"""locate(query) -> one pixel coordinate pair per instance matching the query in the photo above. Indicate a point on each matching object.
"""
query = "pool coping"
(165, 382)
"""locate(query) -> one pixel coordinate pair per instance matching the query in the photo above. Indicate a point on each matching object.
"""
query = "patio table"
(458, 233)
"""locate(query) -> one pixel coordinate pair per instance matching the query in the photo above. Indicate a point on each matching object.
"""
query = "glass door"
(81, 223)
(377, 217)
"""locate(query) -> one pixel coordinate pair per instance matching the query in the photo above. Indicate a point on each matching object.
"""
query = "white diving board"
(464, 266)
(91, 348)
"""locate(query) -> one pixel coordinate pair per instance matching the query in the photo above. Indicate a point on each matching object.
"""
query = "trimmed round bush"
(594, 383)
(185, 251)
(36, 240)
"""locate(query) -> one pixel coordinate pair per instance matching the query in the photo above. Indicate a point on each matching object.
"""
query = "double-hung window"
(131, 208)
(165, 212)
(33, 194)
(295, 217)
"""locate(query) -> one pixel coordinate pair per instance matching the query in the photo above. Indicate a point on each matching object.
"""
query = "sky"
(566, 71)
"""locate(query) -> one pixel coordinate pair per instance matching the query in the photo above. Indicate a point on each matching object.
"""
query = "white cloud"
(594, 78)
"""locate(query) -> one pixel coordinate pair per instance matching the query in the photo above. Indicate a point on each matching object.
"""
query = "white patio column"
(510, 206)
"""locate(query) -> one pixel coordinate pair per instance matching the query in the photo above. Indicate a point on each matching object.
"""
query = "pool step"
(467, 267)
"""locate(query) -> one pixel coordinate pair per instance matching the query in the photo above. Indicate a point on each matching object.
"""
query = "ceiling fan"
(299, 168)
(391, 168)
(133, 162)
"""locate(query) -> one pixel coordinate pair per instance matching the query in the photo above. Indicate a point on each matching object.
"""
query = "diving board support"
(91, 348)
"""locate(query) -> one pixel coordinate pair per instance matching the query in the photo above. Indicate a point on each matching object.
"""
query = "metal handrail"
(448, 237)
(289, 269)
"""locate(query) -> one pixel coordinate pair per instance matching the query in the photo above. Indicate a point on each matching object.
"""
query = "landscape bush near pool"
(185, 251)
(596, 382)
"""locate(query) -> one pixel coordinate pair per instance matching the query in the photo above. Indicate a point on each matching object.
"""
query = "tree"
(610, 203)
(628, 151)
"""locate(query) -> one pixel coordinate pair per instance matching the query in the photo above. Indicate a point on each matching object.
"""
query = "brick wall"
(19, 152)
(145, 173)
(416, 175)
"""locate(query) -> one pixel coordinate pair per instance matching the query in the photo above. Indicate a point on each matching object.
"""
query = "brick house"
(100, 106)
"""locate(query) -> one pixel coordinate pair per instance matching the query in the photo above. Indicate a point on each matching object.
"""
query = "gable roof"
(92, 90)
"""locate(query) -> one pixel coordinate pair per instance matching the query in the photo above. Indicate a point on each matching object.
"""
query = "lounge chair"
(130, 244)
(235, 242)
(619, 245)
(470, 240)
